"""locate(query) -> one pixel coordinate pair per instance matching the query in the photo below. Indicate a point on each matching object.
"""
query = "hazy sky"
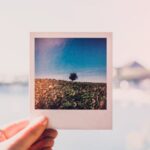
(58, 57)
(129, 20)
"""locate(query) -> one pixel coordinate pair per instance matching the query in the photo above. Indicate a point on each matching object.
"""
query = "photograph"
(70, 73)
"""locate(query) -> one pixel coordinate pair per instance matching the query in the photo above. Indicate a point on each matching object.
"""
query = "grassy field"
(59, 94)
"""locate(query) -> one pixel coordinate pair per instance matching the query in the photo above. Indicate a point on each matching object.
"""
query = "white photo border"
(74, 119)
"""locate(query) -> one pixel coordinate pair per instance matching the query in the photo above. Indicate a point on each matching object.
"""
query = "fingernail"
(45, 121)
(40, 120)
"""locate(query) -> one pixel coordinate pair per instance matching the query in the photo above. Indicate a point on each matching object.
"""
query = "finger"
(50, 133)
(45, 143)
(47, 148)
(44, 148)
(2, 136)
(31, 133)
(14, 128)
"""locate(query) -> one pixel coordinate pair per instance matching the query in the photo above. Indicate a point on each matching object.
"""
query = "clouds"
(131, 97)
(139, 140)
(45, 43)
(47, 52)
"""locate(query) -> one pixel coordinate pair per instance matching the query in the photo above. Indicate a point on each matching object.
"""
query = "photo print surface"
(71, 73)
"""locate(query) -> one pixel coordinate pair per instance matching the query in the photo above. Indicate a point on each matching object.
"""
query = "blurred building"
(133, 74)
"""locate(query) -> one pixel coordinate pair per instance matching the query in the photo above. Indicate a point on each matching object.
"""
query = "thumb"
(25, 138)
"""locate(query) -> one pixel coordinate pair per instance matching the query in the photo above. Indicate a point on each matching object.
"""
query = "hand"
(26, 135)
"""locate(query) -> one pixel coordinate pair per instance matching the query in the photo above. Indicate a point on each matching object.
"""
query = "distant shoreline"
(68, 80)
(14, 84)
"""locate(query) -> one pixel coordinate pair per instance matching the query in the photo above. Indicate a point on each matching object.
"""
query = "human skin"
(27, 135)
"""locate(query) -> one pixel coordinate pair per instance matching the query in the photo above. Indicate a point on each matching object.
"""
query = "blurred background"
(128, 20)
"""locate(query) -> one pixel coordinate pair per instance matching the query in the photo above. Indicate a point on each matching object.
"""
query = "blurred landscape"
(60, 94)
(133, 75)
(129, 21)
(131, 109)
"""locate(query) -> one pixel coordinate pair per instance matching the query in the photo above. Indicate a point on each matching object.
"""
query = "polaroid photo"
(71, 79)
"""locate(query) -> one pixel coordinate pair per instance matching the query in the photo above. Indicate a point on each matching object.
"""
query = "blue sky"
(58, 57)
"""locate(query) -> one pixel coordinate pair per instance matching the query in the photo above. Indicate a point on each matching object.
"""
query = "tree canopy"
(73, 76)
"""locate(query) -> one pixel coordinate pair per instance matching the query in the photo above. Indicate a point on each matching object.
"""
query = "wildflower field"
(60, 94)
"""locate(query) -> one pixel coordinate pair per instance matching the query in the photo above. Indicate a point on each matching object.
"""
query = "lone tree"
(73, 76)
